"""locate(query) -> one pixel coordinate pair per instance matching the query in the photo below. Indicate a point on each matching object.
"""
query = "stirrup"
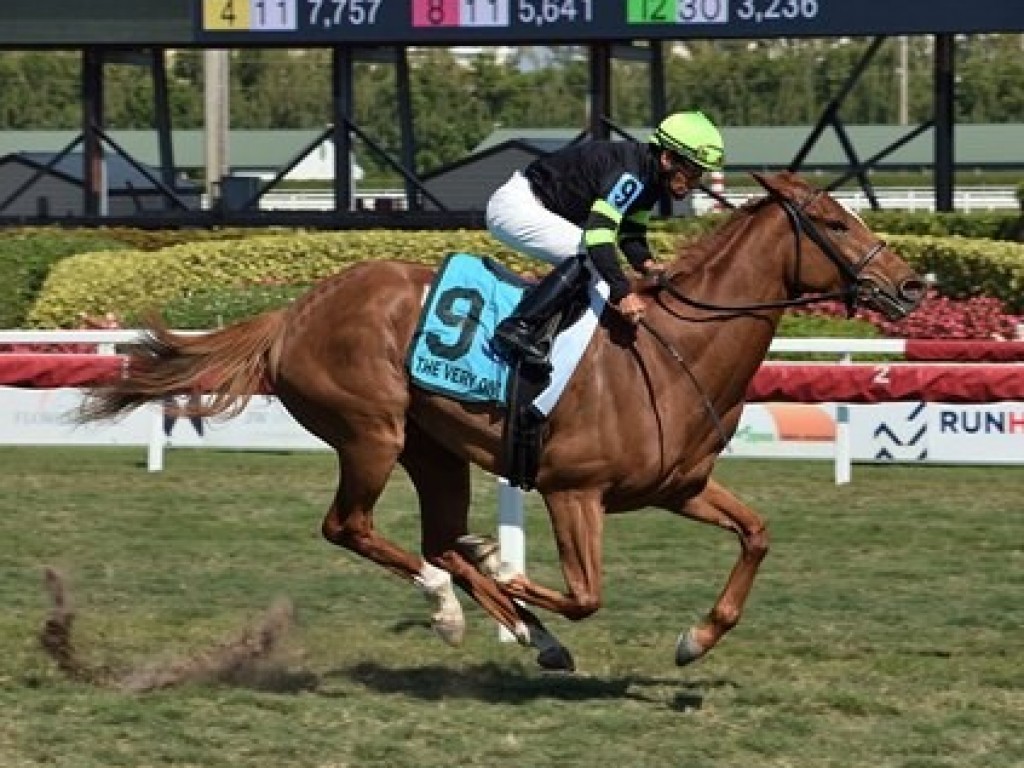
(514, 339)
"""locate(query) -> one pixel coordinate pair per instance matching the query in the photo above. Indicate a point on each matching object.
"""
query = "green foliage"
(964, 268)
(806, 326)
(26, 257)
(136, 282)
(215, 307)
(991, 225)
(457, 104)
(156, 239)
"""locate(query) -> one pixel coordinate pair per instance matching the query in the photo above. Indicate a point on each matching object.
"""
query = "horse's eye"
(838, 226)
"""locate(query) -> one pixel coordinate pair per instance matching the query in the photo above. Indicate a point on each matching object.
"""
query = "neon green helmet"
(693, 137)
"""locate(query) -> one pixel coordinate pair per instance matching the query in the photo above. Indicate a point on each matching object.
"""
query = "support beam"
(405, 121)
(342, 79)
(831, 112)
(162, 117)
(945, 118)
(92, 118)
(600, 90)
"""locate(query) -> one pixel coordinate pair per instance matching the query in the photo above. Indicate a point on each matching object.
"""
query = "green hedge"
(216, 307)
(966, 268)
(133, 283)
(26, 258)
(989, 225)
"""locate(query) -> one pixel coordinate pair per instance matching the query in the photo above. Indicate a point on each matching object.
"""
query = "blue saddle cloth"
(451, 351)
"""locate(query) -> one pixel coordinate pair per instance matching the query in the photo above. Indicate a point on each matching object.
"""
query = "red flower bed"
(939, 317)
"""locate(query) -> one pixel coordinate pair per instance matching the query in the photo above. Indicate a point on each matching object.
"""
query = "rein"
(802, 225)
(706, 401)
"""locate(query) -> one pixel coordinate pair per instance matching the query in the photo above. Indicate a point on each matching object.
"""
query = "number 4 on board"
(226, 14)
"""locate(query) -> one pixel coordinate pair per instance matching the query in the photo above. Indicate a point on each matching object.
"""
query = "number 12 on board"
(677, 11)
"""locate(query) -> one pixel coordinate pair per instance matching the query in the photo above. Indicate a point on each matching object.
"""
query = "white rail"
(995, 198)
(107, 338)
(965, 199)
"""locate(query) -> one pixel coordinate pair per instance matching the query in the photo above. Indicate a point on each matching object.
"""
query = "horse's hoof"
(452, 631)
(556, 659)
(688, 650)
(482, 551)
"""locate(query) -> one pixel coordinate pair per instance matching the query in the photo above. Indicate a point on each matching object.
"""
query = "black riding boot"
(519, 332)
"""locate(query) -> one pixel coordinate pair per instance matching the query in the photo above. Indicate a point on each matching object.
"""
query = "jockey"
(577, 204)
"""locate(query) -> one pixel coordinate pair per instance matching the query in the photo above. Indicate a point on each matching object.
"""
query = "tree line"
(458, 101)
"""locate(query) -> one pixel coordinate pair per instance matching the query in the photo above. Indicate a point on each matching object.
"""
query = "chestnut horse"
(640, 424)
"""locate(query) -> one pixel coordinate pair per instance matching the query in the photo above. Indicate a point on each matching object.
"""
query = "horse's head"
(845, 255)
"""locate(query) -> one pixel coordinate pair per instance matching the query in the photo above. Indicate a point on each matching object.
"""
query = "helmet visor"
(709, 156)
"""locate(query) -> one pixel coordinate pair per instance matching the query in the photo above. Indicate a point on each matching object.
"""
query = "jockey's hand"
(631, 307)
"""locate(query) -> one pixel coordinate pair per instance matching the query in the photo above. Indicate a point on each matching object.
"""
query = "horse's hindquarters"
(341, 367)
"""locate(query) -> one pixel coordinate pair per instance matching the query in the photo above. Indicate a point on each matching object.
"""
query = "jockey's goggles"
(690, 169)
(708, 156)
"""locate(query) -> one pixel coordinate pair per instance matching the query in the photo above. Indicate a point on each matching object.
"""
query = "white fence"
(965, 199)
(762, 433)
(1001, 198)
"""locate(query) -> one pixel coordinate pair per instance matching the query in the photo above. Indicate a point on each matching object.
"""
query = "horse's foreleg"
(442, 483)
(717, 506)
(577, 520)
(483, 553)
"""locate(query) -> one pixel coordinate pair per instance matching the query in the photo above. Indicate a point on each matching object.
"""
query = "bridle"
(854, 289)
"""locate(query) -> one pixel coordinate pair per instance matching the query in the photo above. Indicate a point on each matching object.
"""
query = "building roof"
(747, 147)
(756, 147)
(121, 175)
(246, 149)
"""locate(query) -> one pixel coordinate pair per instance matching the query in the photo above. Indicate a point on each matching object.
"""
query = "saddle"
(452, 353)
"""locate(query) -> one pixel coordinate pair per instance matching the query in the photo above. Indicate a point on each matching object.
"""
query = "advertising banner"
(888, 432)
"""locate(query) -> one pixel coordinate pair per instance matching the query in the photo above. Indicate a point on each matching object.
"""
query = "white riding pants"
(520, 221)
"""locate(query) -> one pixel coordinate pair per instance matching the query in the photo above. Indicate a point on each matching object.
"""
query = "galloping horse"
(640, 424)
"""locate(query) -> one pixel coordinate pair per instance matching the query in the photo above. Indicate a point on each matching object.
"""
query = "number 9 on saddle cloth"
(453, 352)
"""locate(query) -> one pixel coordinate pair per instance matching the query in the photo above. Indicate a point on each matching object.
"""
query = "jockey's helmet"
(693, 137)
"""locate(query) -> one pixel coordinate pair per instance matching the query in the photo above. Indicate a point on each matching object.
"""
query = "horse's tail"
(231, 365)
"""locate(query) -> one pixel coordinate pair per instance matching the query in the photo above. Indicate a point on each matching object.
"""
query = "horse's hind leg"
(717, 506)
(443, 485)
(365, 466)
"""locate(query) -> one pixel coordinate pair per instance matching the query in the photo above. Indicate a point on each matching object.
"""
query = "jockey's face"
(681, 177)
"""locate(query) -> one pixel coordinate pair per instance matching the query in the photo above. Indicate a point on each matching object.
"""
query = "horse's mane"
(691, 255)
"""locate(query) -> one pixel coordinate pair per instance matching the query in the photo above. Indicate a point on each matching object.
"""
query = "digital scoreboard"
(448, 22)
(299, 23)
